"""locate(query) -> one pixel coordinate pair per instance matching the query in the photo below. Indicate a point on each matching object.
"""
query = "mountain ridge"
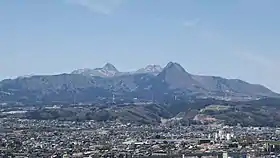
(108, 70)
(172, 80)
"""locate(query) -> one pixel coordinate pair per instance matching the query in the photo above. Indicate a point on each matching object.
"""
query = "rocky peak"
(175, 67)
(110, 67)
(150, 69)
(153, 68)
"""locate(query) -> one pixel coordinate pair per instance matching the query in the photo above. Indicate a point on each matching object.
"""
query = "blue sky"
(232, 39)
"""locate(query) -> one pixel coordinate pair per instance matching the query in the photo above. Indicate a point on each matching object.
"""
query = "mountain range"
(151, 83)
(109, 70)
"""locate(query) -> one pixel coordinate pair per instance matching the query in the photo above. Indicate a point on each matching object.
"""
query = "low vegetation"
(254, 113)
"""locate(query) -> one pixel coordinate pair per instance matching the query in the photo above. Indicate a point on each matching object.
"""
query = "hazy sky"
(229, 38)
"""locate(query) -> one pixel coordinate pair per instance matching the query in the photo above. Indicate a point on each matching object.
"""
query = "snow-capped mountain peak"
(150, 69)
(108, 70)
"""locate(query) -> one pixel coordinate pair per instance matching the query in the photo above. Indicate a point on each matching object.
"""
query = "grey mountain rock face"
(232, 86)
(89, 85)
(177, 77)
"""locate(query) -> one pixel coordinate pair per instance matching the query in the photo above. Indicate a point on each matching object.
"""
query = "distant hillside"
(264, 112)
